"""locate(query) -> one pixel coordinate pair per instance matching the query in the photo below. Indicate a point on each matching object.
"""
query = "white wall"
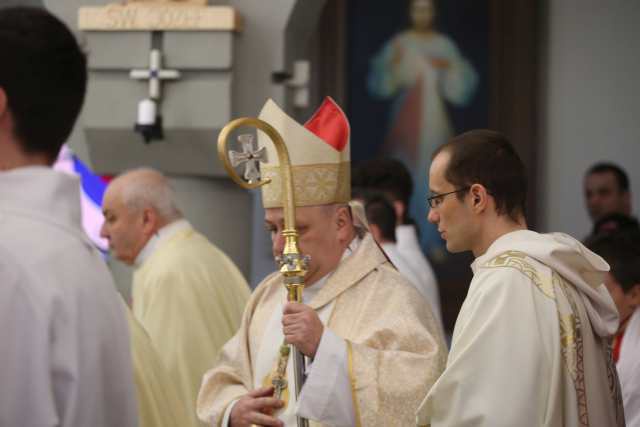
(590, 104)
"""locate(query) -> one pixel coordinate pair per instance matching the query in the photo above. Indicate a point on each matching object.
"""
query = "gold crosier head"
(293, 264)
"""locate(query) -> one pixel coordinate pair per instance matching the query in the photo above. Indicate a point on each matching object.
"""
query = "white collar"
(388, 245)
(407, 232)
(42, 190)
(501, 244)
(161, 235)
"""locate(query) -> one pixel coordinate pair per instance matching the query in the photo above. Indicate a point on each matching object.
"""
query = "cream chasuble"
(393, 346)
(189, 296)
(531, 346)
(159, 404)
(403, 266)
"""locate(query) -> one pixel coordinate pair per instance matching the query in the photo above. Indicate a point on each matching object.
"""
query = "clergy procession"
(351, 326)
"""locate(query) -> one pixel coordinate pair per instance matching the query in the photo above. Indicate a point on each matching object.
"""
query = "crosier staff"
(293, 266)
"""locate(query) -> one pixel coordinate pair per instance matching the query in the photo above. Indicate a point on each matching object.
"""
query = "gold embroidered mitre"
(319, 152)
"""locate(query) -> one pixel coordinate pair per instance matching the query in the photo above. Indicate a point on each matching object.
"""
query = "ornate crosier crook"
(293, 266)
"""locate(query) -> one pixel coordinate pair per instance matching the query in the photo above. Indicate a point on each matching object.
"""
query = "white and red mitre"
(319, 152)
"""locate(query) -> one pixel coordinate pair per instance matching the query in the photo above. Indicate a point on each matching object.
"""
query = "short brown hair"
(487, 157)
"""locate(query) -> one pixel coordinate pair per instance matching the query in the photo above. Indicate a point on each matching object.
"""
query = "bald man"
(187, 294)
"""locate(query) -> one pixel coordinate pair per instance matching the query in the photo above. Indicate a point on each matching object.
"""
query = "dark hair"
(380, 212)
(44, 76)
(622, 251)
(621, 176)
(388, 176)
(487, 157)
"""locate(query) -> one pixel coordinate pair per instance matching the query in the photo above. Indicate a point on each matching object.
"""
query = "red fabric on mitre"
(330, 124)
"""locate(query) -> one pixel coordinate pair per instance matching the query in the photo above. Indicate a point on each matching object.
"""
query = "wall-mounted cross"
(155, 74)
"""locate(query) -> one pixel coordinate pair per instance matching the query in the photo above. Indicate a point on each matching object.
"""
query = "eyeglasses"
(434, 201)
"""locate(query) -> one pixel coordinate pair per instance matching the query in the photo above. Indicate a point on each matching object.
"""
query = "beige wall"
(590, 103)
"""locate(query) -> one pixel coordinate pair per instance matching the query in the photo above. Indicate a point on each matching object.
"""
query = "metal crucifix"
(249, 157)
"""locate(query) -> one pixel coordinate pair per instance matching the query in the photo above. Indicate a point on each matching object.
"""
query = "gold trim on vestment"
(314, 184)
(517, 260)
(571, 341)
(352, 380)
(614, 383)
(570, 331)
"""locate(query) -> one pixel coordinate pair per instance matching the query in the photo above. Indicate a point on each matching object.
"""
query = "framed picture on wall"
(417, 75)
